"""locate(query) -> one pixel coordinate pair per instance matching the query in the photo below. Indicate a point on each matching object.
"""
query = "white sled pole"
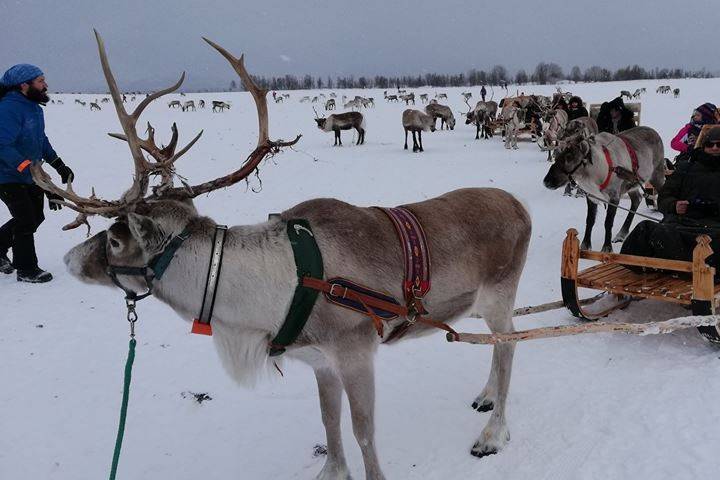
(650, 328)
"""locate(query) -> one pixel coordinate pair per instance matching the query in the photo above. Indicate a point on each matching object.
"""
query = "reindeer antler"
(265, 146)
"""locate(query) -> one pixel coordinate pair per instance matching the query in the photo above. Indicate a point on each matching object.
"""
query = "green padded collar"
(308, 262)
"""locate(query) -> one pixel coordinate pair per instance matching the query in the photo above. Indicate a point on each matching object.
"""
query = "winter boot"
(5, 264)
(34, 276)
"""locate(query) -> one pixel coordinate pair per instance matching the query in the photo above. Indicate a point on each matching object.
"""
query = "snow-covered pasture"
(598, 406)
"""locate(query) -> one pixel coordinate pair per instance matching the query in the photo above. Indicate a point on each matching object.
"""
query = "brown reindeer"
(416, 121)
(478, 238)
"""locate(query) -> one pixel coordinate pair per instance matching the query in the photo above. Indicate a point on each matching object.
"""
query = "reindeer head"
(572, 158)
(145, 224)
(320, 120)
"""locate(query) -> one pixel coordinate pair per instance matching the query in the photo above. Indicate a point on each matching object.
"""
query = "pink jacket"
(679, 141)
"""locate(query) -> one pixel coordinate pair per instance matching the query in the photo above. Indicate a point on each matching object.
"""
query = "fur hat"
(712, 135)
(617, 103)
(576, 99)
(20, 73)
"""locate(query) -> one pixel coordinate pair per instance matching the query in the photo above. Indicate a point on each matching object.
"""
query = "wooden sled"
(684, 283)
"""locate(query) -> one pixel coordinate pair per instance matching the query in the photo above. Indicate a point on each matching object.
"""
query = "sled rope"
(650, 328)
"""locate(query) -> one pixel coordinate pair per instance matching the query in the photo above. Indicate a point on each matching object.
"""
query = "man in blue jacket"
(22, 143)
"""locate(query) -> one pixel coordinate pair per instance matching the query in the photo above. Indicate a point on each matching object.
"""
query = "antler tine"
(257, 92)
(141, 181)
(148, 100)
(264, 146)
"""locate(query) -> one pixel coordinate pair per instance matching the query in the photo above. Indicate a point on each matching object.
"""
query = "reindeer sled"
(635, 107)
(684, 283)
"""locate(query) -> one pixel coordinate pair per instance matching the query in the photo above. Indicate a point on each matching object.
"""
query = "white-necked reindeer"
(342, 121)
(513, 121)
(582, 159)
(478, 238)
(554, 122)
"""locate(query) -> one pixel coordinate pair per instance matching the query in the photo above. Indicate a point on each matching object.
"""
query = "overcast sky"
(150, 42)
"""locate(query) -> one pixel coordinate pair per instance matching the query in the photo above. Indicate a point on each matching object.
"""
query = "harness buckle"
(332, 290)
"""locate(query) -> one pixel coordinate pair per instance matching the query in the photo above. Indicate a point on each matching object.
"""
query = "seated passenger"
(690, 203)
(576, 109)
(684, 141)
(614, 117)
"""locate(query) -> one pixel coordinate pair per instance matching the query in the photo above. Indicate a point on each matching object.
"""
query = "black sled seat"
(685, 283)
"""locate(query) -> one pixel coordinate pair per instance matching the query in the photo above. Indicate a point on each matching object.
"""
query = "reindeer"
(279, 99)
(175, 104)
(105, 100)
(583, 160)
(513, 118)
(334, 95)
(416, 121)
(330, 104)
(423, 98)
(353, 104)
(342, 121)
(286, 96)
(132, 98)
(190, 104)
(443, 113)
(60, 102)
(391, 98)
(80, 102)
(410, 97)
(466, 95)
(305, 99)
(676, 92)
(637, 93)
(219, 106)
(478, 238)
(314, 100)
(201, 103)
(482, 115)
(441, 95)
(554, 123)
(625, 93)
(94, 106)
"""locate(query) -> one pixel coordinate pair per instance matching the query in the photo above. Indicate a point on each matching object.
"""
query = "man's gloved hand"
(51, 197)
(62, 170)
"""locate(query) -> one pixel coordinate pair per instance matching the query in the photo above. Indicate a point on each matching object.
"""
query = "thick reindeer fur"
(343, 121)
(417, 122)
(478, 240)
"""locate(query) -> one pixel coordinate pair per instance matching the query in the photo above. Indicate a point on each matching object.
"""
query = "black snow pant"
(25, 203)
(671, 241)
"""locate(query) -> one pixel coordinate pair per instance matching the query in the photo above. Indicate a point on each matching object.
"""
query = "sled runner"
(685, 283)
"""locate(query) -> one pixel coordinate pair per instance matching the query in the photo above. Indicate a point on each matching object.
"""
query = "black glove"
(62, 170)
(51, 197)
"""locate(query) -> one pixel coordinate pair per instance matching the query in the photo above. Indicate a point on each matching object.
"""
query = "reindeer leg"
(609, 220)
(358, 378)
(589, 223)
(415, 143)
(330, 391)
(498, 315)
(420, 140)
(406, 131)
(477, 131)
(635, 200)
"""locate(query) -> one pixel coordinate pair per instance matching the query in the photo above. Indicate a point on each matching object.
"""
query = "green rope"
(123, 408)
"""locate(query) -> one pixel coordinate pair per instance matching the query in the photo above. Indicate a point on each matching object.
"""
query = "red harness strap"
(611, 167)
(368, 301)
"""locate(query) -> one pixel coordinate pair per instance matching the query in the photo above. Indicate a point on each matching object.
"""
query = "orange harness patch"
(611, 166)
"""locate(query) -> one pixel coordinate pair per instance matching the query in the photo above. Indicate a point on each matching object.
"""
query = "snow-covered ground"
(597, 406)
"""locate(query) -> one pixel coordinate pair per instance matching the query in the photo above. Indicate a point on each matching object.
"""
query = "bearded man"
(22, 143)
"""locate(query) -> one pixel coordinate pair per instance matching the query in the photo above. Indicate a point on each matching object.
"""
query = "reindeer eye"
(114, 243)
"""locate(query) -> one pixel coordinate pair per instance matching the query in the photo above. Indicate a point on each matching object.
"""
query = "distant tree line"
(544, 73)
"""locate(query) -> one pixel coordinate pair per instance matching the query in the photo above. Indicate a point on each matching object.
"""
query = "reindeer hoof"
(586, 246)
(482, 453)
(607, 249)
(485, 406)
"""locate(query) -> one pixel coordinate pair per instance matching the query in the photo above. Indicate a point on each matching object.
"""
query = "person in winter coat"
(483, 92)
(614, 117)
(690, 204)
(576, 108)
(22, 143)
(685, 139)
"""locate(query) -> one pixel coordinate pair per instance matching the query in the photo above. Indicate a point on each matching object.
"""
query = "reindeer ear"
(147, 233)
(591, 139)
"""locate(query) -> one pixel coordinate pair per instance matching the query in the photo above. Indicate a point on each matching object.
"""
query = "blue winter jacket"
(22, 138)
